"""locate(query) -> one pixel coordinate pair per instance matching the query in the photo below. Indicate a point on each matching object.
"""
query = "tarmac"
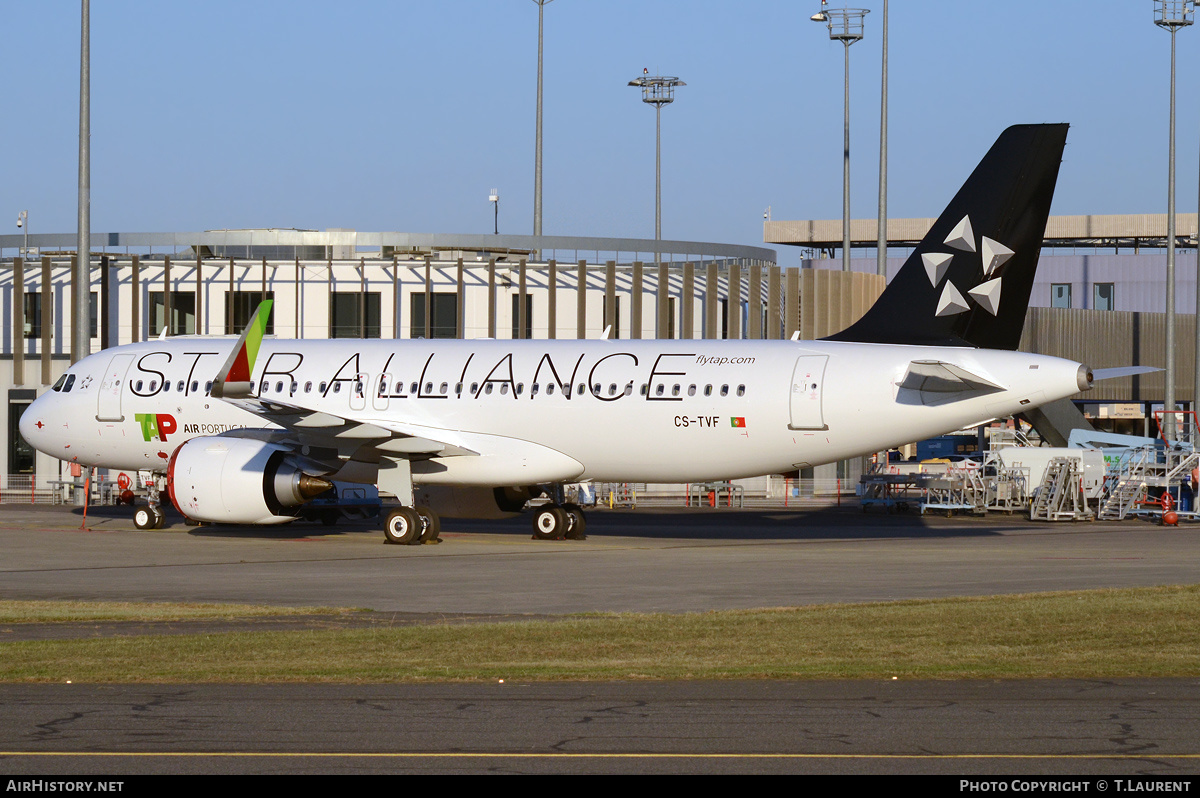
(668, 561)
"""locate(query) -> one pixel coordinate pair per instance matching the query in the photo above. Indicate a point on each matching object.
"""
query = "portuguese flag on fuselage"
(737, 421)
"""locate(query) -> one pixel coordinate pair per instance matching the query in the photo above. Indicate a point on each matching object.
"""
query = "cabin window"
(549, 389)
(444, 387)
(645, 389)
(458, 388)
(612, 389)
(279, 387)
(708, 390)
(504, 389)
(195, 385)
(308, 387)
(741, 391)
(324, 386)
(487, 388)
(252, 387)
(337, 387)
(413, 388)
(691, 390)
(474, 388)
(658, 390)
(153, 386)
(675, 391)
(629, 389)
(295, 387)
(208, 386)
(166, 386)
(533, 389)
(724, 390)
(428, 388)
(520, 388)
(179, 387)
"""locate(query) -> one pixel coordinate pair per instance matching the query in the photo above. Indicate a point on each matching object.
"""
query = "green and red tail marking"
(240, 366)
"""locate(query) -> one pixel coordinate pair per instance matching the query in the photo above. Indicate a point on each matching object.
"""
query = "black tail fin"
(968, 282)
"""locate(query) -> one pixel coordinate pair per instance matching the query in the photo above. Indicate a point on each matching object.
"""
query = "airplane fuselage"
(541, 411)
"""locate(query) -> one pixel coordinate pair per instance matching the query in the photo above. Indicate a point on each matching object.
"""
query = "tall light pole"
(23, 224)
(81, 342)
(1171, 15)
(881, 245)
(537, 158)
(657, 90)
(494, 198)
(846, 26)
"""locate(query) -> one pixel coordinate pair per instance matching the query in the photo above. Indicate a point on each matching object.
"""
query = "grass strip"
(1147, 632)
(12, 612)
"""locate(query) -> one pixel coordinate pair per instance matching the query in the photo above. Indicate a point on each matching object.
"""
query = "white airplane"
(248, 431)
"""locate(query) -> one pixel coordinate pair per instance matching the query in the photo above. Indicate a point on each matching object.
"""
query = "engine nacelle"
(238, 481)
(473, 502)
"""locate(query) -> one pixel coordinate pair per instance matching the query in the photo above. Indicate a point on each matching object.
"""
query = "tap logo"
(156, 425)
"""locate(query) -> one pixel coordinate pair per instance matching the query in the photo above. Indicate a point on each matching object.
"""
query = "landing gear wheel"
(431, 524)
(160, 518)
(550, 523)
(577, 523)
(144, 518)
(403, 526)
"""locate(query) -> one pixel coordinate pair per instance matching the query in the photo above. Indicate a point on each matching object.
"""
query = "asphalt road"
(631, 561)
(667, 561)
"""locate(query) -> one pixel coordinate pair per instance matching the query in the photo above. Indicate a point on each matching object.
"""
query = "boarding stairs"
(1140, 470)
(1060, 497)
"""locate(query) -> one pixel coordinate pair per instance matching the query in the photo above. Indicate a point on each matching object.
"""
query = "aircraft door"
(358, 392)
(108, 398)
(808, 380)
(379, 397)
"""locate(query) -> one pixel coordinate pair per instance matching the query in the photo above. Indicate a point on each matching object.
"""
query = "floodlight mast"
(537, 166)
(657, 90)
(1171, 15)
(846, 26)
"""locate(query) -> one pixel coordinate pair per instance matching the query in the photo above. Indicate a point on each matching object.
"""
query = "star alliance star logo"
(986, 294)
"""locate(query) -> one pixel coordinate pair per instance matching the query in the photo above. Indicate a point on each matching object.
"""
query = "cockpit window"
(59, 383)
(70, 383)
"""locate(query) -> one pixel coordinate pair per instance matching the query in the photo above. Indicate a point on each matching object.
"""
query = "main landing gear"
(412, 525)
(554, 522)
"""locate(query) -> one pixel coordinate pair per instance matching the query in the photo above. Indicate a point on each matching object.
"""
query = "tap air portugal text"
(248, 430)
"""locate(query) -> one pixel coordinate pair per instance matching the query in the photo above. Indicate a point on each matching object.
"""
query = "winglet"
(234, 378)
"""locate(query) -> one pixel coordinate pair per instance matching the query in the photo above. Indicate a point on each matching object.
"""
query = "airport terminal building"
(1097, 299)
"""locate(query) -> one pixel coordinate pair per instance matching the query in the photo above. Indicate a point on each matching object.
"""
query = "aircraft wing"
(317, 430)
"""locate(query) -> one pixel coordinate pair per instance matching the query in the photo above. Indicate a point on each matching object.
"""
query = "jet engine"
(238, 481)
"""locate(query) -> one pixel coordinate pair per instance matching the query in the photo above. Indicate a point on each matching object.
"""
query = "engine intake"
(238, 481)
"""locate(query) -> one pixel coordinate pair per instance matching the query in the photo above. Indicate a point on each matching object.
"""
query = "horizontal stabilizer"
(936, 376)
(1121, 371)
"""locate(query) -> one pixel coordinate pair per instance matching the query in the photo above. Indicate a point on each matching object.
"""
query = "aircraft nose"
(32, 422)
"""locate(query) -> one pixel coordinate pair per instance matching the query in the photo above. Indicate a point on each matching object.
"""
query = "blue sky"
(402, 115)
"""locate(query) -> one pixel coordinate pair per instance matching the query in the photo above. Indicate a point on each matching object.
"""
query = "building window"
(33, 314)
(20, 453)
(241, 306)
(672, 302)
(724, 306)
(1104, 296)
(443, 307)
(354, 315)
(616, 323)
(1060, 295)
(516, 316)
(183, 313)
